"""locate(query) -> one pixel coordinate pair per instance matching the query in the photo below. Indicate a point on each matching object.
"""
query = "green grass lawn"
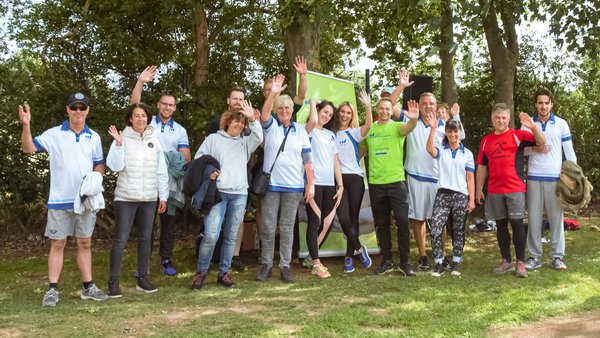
(357, 304)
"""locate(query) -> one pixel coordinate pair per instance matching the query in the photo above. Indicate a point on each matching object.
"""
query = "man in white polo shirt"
(172, 137)
(74, 151)
(423, 175)
(543, 173)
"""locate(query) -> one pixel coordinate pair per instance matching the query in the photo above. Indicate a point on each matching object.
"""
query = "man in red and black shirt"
(500, 160)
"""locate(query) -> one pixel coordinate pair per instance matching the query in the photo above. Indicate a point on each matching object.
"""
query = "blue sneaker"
(533, 263)
(364, 257)
(348, 265)
(168, 268)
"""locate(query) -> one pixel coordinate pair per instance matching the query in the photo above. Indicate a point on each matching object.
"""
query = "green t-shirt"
(386, 151)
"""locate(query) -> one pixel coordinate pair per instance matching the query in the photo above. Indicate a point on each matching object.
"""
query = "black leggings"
(519, 238)
(324, 200)
(349, 210)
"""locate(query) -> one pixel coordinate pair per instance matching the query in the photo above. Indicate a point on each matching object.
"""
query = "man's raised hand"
(147, 75)
(24, 115)
(404, 77)
(413, 110)
(300, 65)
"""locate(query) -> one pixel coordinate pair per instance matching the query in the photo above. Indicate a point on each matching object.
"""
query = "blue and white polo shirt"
(419, 165)
(547, 167)
(72, 156)
(171, 135)
(453, 167)
(288, 173)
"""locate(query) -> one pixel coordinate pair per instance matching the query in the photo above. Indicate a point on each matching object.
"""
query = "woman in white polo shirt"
(136, 155)
(286, 185)
(348, 136)
(456, 191)
(320, 210)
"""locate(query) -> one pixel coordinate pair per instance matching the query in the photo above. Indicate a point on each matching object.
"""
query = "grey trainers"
(558, 264)
(286, 275)
(93, 293)
(264, 273)
(533, 263)
(50, 298)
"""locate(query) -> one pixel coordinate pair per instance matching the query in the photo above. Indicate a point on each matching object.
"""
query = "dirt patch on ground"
(587, 325)
(12, 332)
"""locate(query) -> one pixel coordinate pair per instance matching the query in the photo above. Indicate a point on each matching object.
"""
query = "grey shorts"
(499, 206)
(64, 223)
(421, 196)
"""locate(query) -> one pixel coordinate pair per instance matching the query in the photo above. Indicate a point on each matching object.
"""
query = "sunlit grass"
(358, 304)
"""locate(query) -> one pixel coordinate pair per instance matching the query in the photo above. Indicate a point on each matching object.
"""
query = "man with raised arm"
(75, 152)
(543, 173)
(301, 69)
(500, 161)
(387, 191)
(172, 137)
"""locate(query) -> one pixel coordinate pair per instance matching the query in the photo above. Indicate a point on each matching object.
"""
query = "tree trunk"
(504, 57)
(302, 39)
(447, 51)
(202, 52)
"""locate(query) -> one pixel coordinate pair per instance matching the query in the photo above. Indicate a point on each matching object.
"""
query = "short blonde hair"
(282, 100)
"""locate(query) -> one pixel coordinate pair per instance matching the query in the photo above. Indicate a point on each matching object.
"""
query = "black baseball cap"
(78, 98)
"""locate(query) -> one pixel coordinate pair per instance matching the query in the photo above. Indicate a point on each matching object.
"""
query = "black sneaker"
(225, 280)
(406, 270)
(384, 267)
(438, 271)
(238, 264)
(114, 291)
(446, 264)
(423, 263)
(264, 273)
(198, 281)
(143, 284)
(286, 275)
(455, 270)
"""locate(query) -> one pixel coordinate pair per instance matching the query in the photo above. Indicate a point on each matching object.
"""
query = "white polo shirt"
(453, 168)
(323, 144)
(171, 135)
(348, 155)
(419, 164)
(288, 173)
(72, 156)
(547, 167)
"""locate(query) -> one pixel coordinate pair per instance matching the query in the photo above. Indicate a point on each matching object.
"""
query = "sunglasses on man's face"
(78, 107)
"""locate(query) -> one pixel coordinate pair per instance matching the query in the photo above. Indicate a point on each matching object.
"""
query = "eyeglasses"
(80, 108)
(167, 104)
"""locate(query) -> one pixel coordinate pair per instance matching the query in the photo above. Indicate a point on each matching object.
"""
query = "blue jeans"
(226, 216)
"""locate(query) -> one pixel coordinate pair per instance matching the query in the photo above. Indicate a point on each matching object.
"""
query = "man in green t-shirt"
(387, 190)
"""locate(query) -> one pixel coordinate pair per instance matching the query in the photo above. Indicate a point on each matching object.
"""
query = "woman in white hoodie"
(136, 155)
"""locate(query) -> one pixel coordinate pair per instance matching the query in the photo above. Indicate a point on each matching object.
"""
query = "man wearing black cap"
(74, 151)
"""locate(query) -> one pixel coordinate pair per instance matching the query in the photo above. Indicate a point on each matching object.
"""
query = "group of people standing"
(318, 162)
